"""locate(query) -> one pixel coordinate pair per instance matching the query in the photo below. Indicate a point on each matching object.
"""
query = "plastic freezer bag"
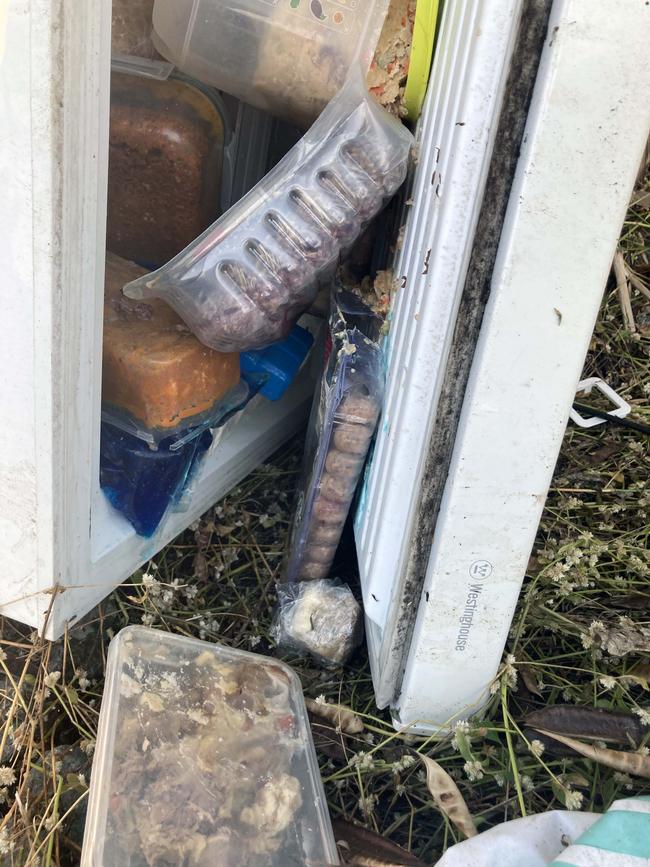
(342, 423)
(319, 617)
(243, 283)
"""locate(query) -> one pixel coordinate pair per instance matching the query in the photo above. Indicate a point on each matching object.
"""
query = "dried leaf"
(342, 718)
(364, 848)
(638, 601)
(627, 763)
(447, 797)
(200, 565)
(589, 722)
(604, 453)
(530, 680)
(640, 199)
(642, 671)
(551, 747)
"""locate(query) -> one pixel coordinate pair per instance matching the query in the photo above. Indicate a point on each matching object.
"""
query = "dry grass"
(587, 587)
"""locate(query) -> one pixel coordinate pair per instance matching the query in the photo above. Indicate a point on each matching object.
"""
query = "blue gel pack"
(271, 371)
(142, 482)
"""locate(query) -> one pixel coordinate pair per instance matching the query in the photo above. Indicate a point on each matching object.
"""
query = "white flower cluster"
(362, 760)
(474, 770)
(573, 800)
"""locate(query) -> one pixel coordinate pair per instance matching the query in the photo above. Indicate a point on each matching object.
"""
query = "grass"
(586, 594)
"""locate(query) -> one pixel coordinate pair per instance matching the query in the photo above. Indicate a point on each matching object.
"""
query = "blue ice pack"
(271, 371)
(142, 482)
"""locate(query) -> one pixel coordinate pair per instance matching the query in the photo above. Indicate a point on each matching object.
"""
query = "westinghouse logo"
(479, 571)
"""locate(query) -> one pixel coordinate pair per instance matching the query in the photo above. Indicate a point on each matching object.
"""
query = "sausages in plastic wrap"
(343, 421)
(243, 283)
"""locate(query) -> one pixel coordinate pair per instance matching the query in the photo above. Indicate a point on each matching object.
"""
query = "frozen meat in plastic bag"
(243, 283)
(341, 427)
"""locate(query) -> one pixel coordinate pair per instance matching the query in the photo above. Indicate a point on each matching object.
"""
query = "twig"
(637, 283)
(620, 272)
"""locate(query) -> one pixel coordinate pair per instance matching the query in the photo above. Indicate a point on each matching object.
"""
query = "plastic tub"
(288, 57)
(166, 150)
(131, 28)
(204, 756)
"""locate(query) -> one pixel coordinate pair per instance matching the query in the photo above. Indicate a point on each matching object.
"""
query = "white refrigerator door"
(63, 548)
(456, 136)
(587, 125)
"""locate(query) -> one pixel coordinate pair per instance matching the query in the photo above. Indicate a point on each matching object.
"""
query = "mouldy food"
(386, 78)
(203, 758)
(165, 161)
(321, 617)
(154, 369)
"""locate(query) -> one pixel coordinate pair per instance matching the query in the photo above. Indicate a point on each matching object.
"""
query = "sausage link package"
(243, 283)
(342, 423)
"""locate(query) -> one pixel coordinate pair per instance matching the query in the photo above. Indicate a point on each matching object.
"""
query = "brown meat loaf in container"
(342, 424)
(165, 165)
(156, 373)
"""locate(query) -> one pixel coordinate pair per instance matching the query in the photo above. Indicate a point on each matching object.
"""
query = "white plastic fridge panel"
(54, 121)
(456, 136)
(63, 547)
(587, 125)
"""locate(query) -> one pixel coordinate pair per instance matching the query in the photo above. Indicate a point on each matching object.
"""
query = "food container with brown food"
(162, 393)
(157, 377)
(341, 427)
(288, 58)
(204, 757)
(166, 160)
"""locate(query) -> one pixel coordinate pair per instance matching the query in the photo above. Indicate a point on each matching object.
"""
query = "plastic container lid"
(287, 57)
(204, 756)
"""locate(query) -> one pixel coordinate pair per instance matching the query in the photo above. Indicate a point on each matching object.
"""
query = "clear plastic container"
(166, 162)
(131, 28)
(288, 57)
(204, 757)
(244, 282)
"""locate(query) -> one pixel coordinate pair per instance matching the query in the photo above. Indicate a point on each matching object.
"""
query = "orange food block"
(153, 366)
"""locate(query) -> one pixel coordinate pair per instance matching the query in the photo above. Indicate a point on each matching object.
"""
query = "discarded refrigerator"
(532, 119)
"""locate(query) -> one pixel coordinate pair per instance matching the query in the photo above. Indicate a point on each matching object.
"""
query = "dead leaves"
(564, 724)
(447, 797)
(363, 848)
(342, 718)
(619, 760)
(589, 722)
